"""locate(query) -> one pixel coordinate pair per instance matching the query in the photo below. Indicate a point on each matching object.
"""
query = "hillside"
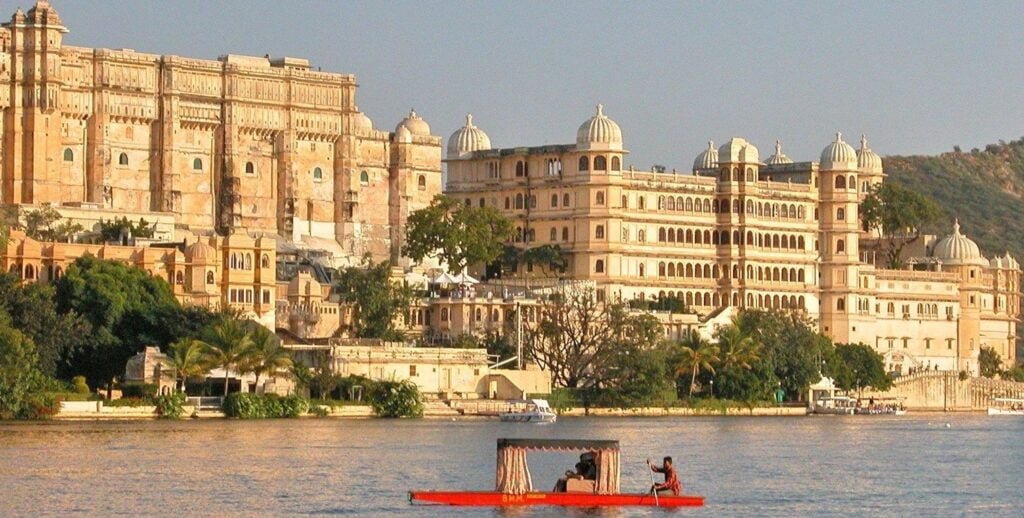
(984, 188)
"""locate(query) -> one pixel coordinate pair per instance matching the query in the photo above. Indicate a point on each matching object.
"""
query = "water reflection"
(772, 466)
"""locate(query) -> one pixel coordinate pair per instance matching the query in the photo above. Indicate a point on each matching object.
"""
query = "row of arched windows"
(600, 163)
(554, 234)
(565, 201)
(520, 202)
(707, 271)
(722, 237)
(697, 298)
(735, 175)
(683, 204)
(843, 183)
(240, 261)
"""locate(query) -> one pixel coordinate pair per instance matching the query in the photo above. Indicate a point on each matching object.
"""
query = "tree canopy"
(858, 366)
(901, 214)
(377, 300)
(460, 235)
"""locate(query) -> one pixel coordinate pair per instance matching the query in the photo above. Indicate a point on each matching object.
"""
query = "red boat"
(515, 488)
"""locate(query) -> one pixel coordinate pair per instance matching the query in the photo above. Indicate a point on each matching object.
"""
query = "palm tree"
(267, 356)
(698, 354)
(227, 345)
(188, 357)
(736, 348)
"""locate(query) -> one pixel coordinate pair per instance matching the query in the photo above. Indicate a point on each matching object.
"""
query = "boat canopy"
(513, 474)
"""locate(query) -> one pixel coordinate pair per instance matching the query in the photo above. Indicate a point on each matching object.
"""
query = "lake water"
(874, 466)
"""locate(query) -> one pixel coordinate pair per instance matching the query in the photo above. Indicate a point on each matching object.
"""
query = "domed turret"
(707, 159)
(467, 139)
(416, 125)
(738, 150)
(779, 157)
(599, 133)
(200, 253)
(868, 161)
(838, 155)
(957, 248)
(360, 122)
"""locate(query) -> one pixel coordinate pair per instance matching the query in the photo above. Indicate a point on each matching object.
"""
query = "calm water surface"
(874, 466)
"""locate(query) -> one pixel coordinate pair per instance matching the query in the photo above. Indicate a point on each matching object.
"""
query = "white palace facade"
(738, 231)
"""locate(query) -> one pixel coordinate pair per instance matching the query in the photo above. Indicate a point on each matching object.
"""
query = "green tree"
(21, 382)
(460, 235)
(858, 366)
(8, 220)
(789, 345)
(395, 399)
(696, 355)
(551, 259)
(267, 356)
(901, 214)
(736, 349)
(228, 345)
(378, 301)
(189, 359)
(637, 371)
(111, 231)
(989, 362)
(33, 311)
(46, 224)
(126, 309)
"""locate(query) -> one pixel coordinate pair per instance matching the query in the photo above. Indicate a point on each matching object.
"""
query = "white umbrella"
(444, 278)
(465, 278)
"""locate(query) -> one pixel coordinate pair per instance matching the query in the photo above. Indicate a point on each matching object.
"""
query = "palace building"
(267, 145)
(737, 231)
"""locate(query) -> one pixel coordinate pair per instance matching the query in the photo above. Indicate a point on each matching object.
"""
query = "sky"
(916, 77)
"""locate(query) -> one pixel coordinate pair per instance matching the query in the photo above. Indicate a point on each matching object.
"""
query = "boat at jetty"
(1006, 406)
(536, 411)
(882, 406)
(835, 405)
(514, 486)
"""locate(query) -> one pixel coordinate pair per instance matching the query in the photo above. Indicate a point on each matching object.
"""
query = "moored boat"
(1006, 406)
(835, 405)
(514, 486)
(536, 411)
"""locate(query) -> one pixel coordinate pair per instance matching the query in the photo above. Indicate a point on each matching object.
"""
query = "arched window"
(599, 266)
(616, 163)
(641, 269)
(247, 265)
(852, 183)
(662, 236)
(840, 246)
(600, 197)
(671, 269)
(30, 272)
(481, 203)
(265, 261)
(519, 201)
(840, 182)
(565, 233)
(641, 235)
(122, 159)
(671, 203)
(179, 278)
(565, 200)
(841, 305)
(318, 174)
(69, 156)
(421, 183)
(508, 203)
(661, 269)
(209, 277)
(841, 214)
(554, 201)
(520, 169)
(584, 163)
(554, 234)
(641, 202)
(600, 163)
(599, 232)
(533, 201)
(250, 168)
(671, 235)
(625, 202)
(364, 178)
(197, 164)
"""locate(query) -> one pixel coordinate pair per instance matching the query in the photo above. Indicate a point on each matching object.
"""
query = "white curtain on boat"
(513, 475)
(607, 472)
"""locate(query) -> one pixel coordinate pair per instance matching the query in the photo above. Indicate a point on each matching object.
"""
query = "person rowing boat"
(671, 485)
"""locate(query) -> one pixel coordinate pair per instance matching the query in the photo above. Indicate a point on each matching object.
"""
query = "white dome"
(737, 150)
(416, 125)
(779, 157)
(599, 132)
(707, 159)
(868, 161)
(360, 122)
(467, 139)
(838, 156)
(957, 248)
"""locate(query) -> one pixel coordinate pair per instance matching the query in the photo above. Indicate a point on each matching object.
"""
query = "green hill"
(984, 188)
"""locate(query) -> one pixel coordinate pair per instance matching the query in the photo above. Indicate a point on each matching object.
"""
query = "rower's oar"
(653, 489)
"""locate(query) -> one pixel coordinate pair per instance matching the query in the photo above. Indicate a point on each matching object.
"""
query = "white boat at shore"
(536, 411)
(1006, 406)
(834, 405)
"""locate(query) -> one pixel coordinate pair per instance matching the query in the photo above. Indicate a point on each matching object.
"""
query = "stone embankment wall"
(945, 391)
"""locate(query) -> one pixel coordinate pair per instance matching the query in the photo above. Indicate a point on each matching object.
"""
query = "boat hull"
(491, 498)
(527, 417)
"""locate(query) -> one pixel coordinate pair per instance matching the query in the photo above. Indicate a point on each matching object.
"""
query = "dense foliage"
(395, 399)
(264, 406)
(378, 301)
(170, 406)
(989, 362)
(902, 214)
(858, 366)
(459, 234)
(23, 387)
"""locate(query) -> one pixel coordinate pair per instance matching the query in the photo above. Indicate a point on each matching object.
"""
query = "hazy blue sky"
(916, 77)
